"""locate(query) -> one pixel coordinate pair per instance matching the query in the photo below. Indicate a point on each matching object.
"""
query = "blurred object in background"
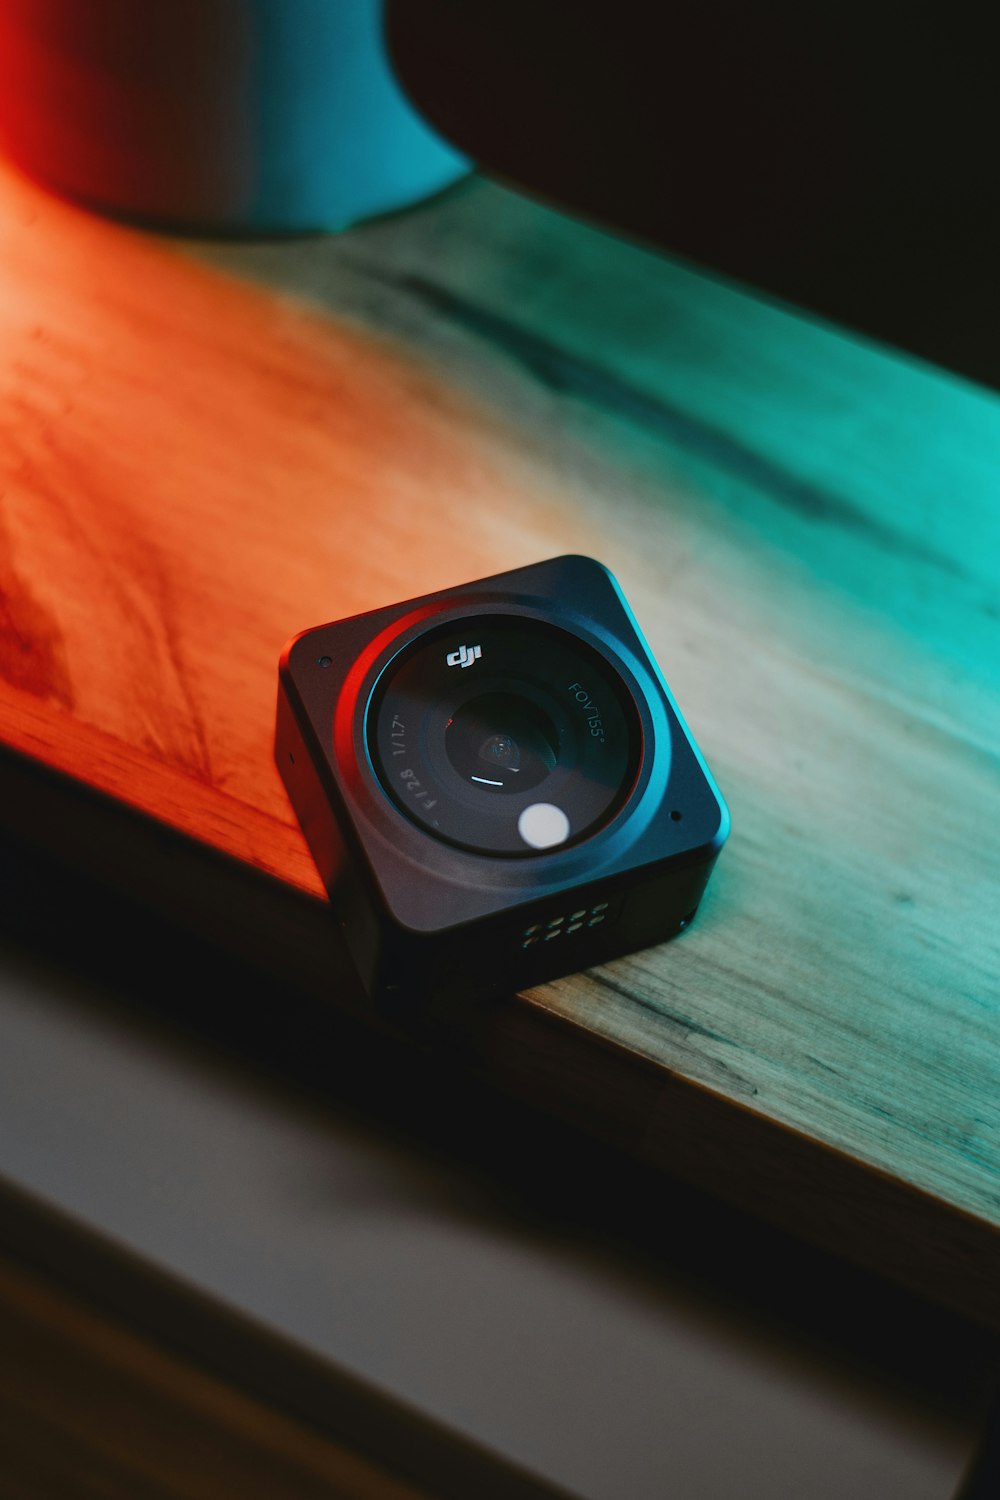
(233, 116)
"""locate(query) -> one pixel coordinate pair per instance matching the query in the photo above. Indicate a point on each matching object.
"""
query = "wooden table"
(210, 446)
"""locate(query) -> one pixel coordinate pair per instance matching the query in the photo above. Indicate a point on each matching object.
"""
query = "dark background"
(840, 157)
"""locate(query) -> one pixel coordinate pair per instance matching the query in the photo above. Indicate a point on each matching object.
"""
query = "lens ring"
(473, 722)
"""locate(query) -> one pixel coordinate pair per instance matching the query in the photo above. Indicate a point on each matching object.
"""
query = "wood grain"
(209, 447)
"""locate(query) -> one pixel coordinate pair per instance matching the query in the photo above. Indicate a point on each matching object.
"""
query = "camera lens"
(501, 741)
(504, 734)
(501, 750)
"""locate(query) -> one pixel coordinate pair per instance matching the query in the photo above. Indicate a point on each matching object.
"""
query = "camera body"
(496, 784)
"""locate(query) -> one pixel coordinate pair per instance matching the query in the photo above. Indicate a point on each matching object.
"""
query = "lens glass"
(502, 741)
(504, 734)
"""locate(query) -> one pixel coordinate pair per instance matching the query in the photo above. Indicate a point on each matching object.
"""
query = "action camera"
(496, 784)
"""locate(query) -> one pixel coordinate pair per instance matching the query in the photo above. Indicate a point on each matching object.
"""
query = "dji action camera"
(496, 784)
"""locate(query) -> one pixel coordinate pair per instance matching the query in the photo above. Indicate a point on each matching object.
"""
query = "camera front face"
(495, 783)
(519, 740)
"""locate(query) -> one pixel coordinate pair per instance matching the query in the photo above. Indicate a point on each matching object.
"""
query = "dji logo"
(464, 656)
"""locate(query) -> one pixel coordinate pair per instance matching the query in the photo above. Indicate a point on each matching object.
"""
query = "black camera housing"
(496, 784)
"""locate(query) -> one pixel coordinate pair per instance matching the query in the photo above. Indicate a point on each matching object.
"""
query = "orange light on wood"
(193, 470)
